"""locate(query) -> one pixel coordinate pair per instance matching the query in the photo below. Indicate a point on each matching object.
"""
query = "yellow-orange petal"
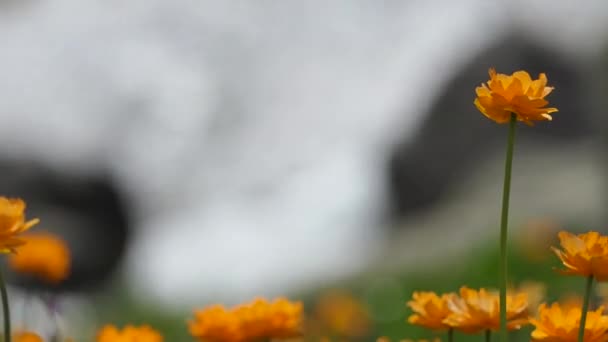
(517, 94)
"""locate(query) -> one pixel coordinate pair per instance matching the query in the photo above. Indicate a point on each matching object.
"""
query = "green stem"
(451, 335)
(504, 220)
(488, 335)
(581, 328)
(5, 310)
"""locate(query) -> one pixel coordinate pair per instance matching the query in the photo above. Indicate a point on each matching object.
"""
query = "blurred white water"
(250, 136)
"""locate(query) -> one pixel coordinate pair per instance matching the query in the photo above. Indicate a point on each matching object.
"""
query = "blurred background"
(195, 152)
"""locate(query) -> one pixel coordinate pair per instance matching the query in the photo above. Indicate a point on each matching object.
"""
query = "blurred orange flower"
(45, 256)
(27, 336)
(535, 237)
(584, 254)
(517, 94)
(129, 333)
(12, 223)
(253, 321)
(261, 319)
(561, 324)
(215, 323)
(476, 311)
(430, 310)
(342, 314)
(536, 292)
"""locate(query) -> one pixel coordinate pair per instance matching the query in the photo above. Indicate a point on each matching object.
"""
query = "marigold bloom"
(45, 256)
(215, 323)
(430, 310)
(266, 320)
(253, 321)
(476, 311)
(516, 93)
(12, 223)
(27, 336)
(342, 314)
(584, 254)
(129, 333)
(559, 324)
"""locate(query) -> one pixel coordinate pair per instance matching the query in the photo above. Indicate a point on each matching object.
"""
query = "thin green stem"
(5, 310)
(451, 335)
(504, 220)
(581, 328)
(488, 335)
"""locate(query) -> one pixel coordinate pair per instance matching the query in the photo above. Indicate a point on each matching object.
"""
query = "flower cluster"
(474, 311)
(471, 311)
(258, 320)
(503, 99)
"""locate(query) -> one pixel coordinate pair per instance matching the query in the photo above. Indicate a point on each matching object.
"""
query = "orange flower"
(584, 254)
(264, 320)
(215, 323)
(129, 333)
(475, 311)
(430, 310)
(561, 324)
(44, 256)
(343, 314)
(12, 223)
(257, 320)
(26, 336)
(518, 94)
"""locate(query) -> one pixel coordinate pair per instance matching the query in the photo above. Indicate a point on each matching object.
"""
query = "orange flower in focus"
(266, 320)
(215, 323)
(343, 314)
(12, 223)
(475, 311)
(517, 94)
(430, 310)
(257, 320)
(561, 324)
(129, 333)
(26, 336)
(584, 254)
(44, 256)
